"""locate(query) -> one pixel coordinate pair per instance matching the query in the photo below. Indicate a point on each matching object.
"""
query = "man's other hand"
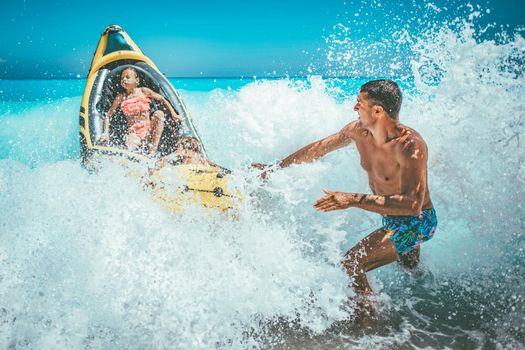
(336, 200)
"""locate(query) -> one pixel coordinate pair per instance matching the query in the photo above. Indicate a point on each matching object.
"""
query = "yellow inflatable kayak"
(171, 178)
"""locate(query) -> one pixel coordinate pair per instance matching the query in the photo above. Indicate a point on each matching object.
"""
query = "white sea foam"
(92, 261)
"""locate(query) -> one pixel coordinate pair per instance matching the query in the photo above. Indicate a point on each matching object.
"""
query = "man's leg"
(411, 259)
(156, 132)
(373, 251)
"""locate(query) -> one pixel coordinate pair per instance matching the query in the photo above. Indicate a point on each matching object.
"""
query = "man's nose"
(356, 107)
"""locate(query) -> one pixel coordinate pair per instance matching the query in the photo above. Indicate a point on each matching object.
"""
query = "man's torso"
(382, 163)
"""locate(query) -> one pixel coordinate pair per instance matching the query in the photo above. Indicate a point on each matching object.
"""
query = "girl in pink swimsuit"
(135, 105)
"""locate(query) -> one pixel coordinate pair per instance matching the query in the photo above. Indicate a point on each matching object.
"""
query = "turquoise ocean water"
(89, 261)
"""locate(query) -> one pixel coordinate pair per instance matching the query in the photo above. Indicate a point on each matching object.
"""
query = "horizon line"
(254, 77)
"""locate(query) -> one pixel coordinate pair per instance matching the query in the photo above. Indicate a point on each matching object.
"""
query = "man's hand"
(336, 200)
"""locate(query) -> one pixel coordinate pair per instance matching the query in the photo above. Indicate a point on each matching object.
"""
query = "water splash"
(91, 262)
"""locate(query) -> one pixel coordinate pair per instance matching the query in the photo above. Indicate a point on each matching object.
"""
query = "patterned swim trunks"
(408, 232)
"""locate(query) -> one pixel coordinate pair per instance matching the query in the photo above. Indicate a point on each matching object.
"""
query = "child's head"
(129, 78)
(188, 146)
(189, 149)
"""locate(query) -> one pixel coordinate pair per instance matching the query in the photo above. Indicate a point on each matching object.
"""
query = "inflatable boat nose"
(116, 40)
(113, 28)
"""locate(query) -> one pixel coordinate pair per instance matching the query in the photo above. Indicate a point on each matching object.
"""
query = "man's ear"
(378, 109)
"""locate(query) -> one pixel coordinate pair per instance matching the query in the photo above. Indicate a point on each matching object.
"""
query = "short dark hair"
(385, 93)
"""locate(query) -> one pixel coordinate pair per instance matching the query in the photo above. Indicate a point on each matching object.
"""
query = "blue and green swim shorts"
(408, 232)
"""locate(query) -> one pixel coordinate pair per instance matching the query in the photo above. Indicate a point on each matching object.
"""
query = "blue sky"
(46, 39)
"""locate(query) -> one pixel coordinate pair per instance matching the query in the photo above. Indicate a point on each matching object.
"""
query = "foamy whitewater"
(91, 262)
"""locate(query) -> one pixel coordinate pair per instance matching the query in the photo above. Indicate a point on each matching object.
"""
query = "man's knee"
(410, 259)
(355, 259)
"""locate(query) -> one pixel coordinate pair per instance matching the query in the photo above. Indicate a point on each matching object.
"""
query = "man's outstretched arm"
(322, 147)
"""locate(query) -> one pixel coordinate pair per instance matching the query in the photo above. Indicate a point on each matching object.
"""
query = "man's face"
(129, 79)
(365, 109)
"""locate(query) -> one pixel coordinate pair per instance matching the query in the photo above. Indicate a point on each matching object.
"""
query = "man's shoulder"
(356, 131)
(349, 129)
(410, 145)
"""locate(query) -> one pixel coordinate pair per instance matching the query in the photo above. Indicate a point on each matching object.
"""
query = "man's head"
(129, 78)
(377, 97)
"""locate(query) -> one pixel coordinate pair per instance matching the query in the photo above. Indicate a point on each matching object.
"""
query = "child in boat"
(188, 150)
(135, 104)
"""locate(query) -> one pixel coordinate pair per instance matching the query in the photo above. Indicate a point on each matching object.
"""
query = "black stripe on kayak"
(217, 191)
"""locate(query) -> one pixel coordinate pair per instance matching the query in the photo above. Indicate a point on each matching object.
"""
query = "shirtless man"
(395, 159)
